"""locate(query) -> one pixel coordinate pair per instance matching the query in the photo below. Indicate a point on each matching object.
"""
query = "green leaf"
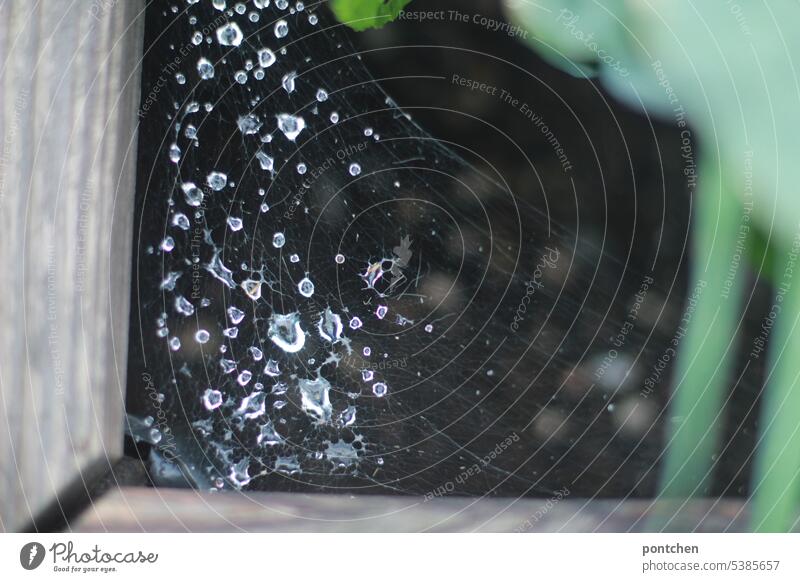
(364, 14)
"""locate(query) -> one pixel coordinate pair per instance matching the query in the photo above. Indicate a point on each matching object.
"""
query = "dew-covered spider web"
(328, 298)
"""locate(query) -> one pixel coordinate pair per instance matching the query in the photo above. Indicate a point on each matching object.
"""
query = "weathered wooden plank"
(70, 87)
(175, 510)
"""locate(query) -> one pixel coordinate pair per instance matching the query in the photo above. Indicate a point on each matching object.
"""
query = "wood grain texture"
(70, 87)
(182, 510)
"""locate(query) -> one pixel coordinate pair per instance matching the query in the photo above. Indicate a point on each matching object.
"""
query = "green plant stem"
(703, 368)
(776, 485)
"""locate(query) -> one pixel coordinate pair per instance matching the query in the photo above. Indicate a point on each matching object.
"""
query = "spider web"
(328, 298)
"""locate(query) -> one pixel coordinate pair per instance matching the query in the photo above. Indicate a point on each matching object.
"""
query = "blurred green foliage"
(365, 14)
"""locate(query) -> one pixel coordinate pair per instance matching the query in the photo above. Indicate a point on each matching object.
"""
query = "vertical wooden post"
(69, 76)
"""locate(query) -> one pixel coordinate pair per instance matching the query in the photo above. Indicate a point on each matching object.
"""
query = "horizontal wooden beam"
(179, 510)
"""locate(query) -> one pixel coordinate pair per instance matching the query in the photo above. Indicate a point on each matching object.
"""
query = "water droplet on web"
(231, 332)
(368, 132)
(174, 153)
(244, 378)
(202, 336)
(229, 34)
(269, 436)
(301, 168)
(183, 306)
(281, 29)
(282, 4)
(339, 259)
(216, 180)
(252, 406)
(197, 38)
(312, 19)
(234, 223)
(180, 78)
(367, 375)
(380, 312)
(205, 69)
(181, 221)
(349, 416)
(212, 399)
(306, 287)
(355, 323)
(379, 389)
(168, 244)
(256, 353)
(266, 58)
(330, 326)
(252, 288)
(220, 271)
(366, 351)
(315, 398)
(192, 194)
(227, 366)
(236, 315)
(290, 125)
(240, 77)
(334, 117)
(429, 328)
(288, 81)
(249, 124)
(261, 4)
(295, 258)
(355, 169)
(272, 368)
(168, 283)
(278, 240)
(174, 344)
(155, 436)
(322, 95)
(239, 475)
(286, 333)
(265, 161)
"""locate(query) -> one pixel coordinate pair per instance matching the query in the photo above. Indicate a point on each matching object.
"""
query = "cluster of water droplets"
(281, 366)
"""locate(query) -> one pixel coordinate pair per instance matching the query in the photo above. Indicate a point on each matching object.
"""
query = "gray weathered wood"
(177, 510)
(70, 87)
